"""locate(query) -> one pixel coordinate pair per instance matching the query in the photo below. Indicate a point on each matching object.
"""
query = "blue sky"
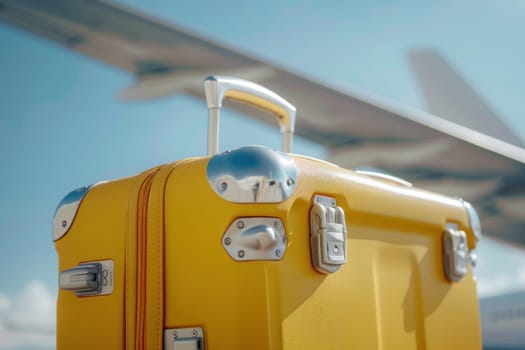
(61, 125)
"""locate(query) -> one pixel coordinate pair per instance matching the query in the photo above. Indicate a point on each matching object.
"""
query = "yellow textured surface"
(392, 293)
(97, 233)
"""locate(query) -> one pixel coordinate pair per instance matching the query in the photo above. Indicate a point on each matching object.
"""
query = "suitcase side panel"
(391, 294)
(97, 233)
(395, 235)
(204, 286)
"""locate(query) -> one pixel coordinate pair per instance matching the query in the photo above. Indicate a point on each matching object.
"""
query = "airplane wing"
(447, 94)
(432, 152)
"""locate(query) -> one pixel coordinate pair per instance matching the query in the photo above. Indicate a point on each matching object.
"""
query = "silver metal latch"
(455, 253)
(255, 238)
(327, 234)
(184, 339)
(93, 278)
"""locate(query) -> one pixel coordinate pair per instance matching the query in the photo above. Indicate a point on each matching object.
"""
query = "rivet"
(175, 334)
(64, 223)
(240, 224)
(227, 241)
(224, 186)
(194, 333)
(240, 253)
(290, 181)
(277, 252)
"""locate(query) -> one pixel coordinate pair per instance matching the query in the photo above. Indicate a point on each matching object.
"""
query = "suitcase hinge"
(327, 234)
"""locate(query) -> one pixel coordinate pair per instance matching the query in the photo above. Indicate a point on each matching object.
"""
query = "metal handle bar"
(218, 88)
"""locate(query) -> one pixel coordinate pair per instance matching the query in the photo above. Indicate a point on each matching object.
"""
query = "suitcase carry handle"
(218, 88)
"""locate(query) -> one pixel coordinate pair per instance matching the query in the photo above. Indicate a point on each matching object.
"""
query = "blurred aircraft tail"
(448, 96)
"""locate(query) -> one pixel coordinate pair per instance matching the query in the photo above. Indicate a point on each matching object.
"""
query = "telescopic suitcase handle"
(218, 88)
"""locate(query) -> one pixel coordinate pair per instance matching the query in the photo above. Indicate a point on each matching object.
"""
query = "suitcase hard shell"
(179, 258)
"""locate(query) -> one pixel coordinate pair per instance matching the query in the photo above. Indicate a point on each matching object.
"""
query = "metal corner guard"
(473, 219)
(252, 174)
(67, 210)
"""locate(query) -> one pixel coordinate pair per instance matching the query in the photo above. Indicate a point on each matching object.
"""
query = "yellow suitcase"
(259, 249)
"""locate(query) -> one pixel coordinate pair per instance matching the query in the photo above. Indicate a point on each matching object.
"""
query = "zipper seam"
(142, 237)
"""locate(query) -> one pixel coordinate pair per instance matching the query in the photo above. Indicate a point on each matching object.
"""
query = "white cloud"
(26, 340)
(4, 304)
(28, 319)
(501, 269)
(505, 283)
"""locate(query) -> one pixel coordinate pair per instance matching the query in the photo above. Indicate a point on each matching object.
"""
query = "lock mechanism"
(455, 253)
(327, 234)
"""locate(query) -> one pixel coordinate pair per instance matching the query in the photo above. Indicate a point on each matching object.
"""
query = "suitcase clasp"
(455, 253)
(327, 234)
(93, 278)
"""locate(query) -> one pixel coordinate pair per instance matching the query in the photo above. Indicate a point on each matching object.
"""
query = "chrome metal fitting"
(66, 211)
(473, 217)
(252, 174)
(87, 279)
(455, 253)
(184, 339)
(258, 238)
(327, 234)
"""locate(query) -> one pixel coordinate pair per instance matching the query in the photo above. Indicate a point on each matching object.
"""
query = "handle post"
(213, 130)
